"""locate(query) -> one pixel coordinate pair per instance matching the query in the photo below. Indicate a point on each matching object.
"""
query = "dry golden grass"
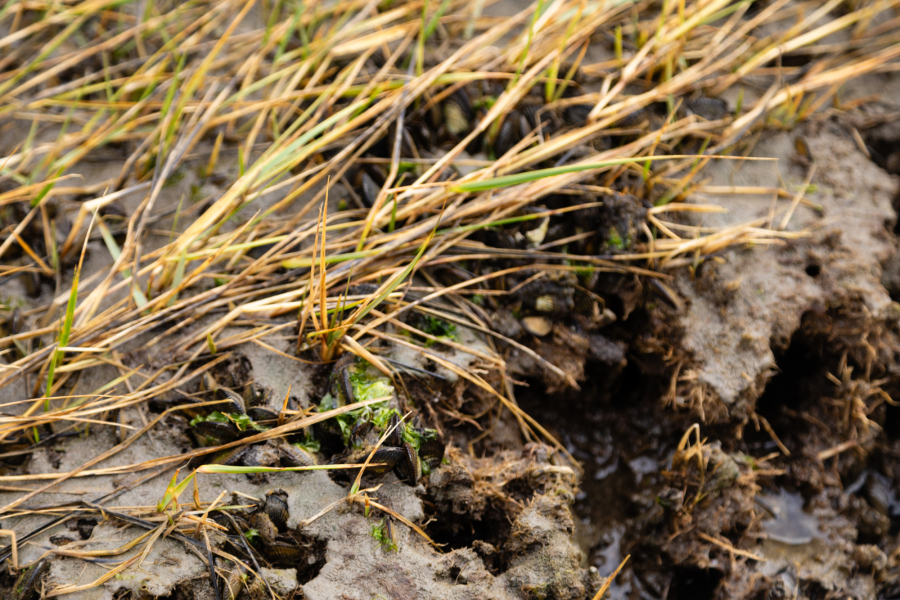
(296, 101)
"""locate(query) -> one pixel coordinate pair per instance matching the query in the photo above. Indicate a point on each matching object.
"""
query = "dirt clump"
(487, 495)
(541, 559)
(467, 505)
(744, 308)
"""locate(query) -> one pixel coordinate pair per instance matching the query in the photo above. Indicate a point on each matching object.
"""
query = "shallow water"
(618, 444)
(788, 523)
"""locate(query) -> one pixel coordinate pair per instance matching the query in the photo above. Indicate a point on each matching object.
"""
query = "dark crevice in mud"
(181, 592)
(884, 153)
(26, 584)
(835, 356)
(308, 568)
(690, 583)
(824, 405)
(892, 423)
(84, 527)
(799, 369)
(825, 396)
(8, 585)
(791, 60)
(484, 535)
(884, 149)
(896, 224)
(613, 427)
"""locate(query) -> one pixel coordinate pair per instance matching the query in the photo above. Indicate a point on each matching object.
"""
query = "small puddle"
(795, 544)
(788, 523)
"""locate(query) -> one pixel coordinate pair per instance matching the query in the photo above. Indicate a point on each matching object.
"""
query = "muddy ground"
(784, 356)
(734, 429)
(787, 353)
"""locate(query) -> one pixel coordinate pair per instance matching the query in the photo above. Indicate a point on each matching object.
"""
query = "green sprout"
(382, 533)
(174, 178)
(440, 329)
(242, 421)
(366, 384)
(408, 433)
(584, 271)
(309, 444)
(367, 387)
(615, 240)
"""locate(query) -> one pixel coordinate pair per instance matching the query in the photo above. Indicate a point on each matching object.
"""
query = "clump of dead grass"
(291, 98)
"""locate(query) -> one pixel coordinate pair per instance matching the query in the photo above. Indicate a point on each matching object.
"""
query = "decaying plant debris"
(449, 299)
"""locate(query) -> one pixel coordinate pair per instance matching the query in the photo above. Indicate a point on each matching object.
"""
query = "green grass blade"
(508, 180)
(392, 285)
(527, 48)
(43, 193)
(433, 22)
(5, 10)
(54, 250)
(393, 222)
(173, 490)
(179, 276)
(519, 219)
(63, 336)
(114, 251)
(305, 261)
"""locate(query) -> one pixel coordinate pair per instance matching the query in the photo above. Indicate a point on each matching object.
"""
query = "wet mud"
(799, 525)
(733, 419)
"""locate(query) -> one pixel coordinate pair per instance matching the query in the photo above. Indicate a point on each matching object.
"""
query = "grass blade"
(174, 490)
(63, 336)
